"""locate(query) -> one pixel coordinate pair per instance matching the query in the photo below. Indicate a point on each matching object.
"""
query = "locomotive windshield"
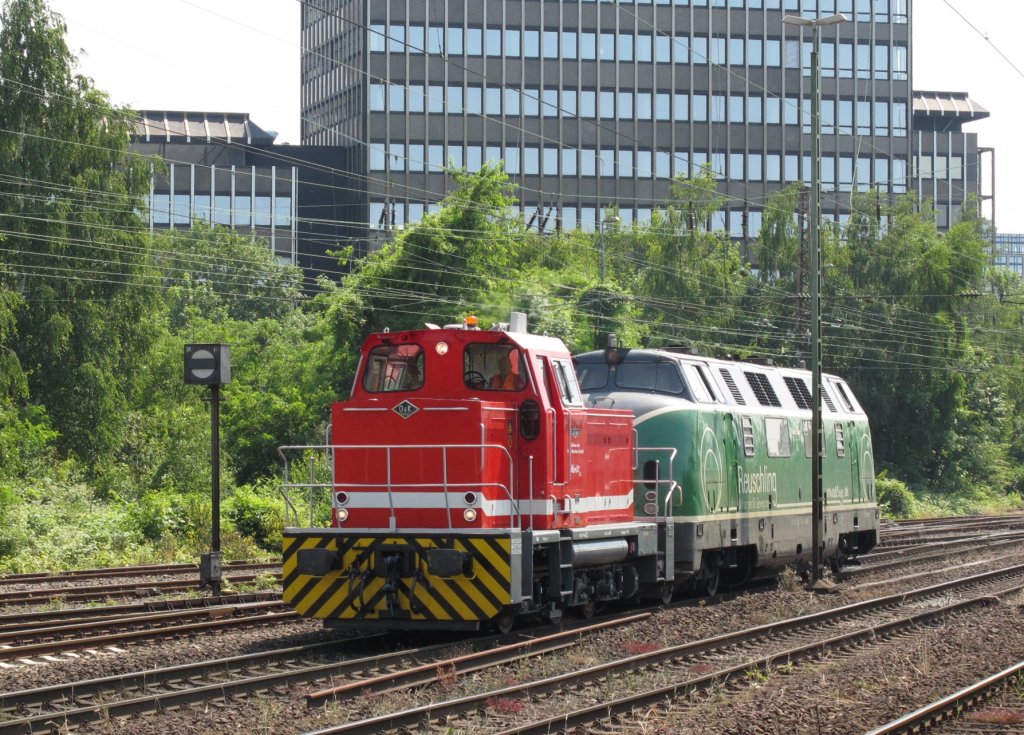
(394, 368)
(487, 366)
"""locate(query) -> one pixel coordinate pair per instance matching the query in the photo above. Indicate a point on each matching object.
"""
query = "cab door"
(568, 440)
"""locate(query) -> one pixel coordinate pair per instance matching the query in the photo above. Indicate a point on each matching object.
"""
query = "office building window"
(550, 46)
(512, 98)
(396, 40)
(699, 108)
(378, 38)
(416, 42)
(512, 161)
(513, 47)
(531, 102)
(588, 46)
(531, 160)
(202, 207)
(549, 102)
(626, 164)
(435, 157)
(492, 101)
(493, 39)
(625, 106)
(531, 44)
(282, 211)
(455, 100)
(222, 209)
(261, 211)
(416, 98)
(243, 211)
(474, 42)
(568, 162)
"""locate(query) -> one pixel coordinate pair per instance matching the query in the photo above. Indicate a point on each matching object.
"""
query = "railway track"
(82, 702)
(100, 593)
(130, 571)
(991, 705)
(726, 657)
(119, 630)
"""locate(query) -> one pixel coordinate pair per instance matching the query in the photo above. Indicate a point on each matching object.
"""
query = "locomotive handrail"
(662, 503)
(333, 450)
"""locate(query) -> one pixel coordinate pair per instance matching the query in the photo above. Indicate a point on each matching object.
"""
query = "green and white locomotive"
(723, 461)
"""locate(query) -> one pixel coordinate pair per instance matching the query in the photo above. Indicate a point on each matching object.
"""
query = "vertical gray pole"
(816, 432)
(215, 462)
(601, 233)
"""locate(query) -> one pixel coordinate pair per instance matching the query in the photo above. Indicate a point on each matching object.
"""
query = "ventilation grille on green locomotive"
(731, 384)
(766, 395)
(798, 389)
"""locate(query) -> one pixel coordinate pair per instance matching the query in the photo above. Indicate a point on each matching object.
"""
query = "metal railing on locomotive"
(315, 491)
(653, 486)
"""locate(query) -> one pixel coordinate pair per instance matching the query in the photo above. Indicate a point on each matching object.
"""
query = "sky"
(243, 56)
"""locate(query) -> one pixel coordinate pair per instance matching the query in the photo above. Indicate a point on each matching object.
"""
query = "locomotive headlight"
(441, 348)
(342, 515)
(341, 497)
(470, 498)
(469, 514)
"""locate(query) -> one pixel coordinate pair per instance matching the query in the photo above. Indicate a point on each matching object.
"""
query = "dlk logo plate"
(405, 409)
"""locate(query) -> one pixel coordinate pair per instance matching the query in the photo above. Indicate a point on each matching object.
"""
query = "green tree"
(447, 264)
(691, 279)
(75, 250)
(223, 274)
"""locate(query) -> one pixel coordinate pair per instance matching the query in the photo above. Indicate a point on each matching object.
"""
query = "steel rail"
(869, 560)
(34, 618)
(103, 592)
(149, 619)
(930, 556)
(411, 717)
(99, 641)
(134, 571)
(950, 707)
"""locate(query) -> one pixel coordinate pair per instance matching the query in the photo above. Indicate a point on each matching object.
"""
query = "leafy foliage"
(97, 425)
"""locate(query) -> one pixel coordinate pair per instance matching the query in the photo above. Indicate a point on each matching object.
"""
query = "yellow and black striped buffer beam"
(390, 577)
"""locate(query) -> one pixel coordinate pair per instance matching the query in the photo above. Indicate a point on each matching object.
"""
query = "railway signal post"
(210, 364)
(817, 500)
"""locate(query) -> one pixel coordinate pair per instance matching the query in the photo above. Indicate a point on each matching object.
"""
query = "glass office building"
(596, 105)
(225, 169)
(1009, 252)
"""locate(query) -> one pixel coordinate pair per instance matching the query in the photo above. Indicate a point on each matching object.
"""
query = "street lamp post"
(614, 219)
(817, 496)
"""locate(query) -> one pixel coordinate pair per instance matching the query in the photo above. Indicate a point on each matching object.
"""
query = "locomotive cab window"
(661, 376)
(699, 383)
(487, 366)
(565, 378)
(392, 368)
(592, 375)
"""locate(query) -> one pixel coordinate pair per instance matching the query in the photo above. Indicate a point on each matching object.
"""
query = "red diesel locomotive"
(469, 484)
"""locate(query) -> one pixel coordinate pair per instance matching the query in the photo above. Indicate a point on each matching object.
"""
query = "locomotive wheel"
(504, 621)
(710, 576)
(587, 609)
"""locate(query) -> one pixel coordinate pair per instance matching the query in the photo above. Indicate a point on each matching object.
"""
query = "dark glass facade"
(225, 169)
